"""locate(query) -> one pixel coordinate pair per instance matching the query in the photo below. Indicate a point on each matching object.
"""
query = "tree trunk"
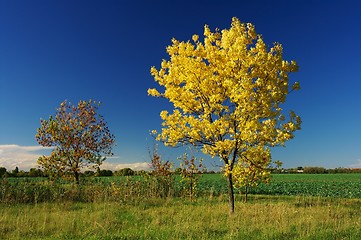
(230, 194)
(246, 197)
(76, 177)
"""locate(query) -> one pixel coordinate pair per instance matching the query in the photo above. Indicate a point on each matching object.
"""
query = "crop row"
(337, 185)
(134, 188)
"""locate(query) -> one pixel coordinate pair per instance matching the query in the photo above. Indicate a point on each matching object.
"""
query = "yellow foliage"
(227, 92)
(253, 169)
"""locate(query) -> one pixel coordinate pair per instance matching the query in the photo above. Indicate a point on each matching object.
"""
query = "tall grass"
(118, 189)
(136, 188)
(143, 207)
(263, 217)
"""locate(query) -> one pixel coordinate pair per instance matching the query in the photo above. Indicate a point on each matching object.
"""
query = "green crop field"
(325, 185)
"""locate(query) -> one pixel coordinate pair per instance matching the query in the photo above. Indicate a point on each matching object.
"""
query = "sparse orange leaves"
(80, 137)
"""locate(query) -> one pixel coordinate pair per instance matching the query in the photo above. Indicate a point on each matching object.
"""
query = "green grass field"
(292, 206)
(263, 217)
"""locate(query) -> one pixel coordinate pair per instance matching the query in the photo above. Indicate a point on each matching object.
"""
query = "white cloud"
(357, 164)
(13, 147)
(117, 166)
(24, 157)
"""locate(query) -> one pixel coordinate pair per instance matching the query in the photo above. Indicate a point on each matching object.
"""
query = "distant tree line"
(35, 172)
(108, 173)
(317, 170)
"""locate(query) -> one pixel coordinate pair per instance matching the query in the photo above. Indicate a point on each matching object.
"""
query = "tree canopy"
(227, 93)
(80, 138)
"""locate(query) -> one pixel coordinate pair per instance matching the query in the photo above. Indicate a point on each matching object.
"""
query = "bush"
(124, 172)
(314, 170)
(2, 171)
(104, 173)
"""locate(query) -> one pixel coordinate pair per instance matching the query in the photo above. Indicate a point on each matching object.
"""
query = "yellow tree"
(253, 168)
(80, 136)
(227, 93)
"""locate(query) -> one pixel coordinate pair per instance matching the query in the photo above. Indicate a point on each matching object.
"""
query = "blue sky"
(56, 50)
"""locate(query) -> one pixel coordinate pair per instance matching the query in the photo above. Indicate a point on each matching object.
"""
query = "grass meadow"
(131, 208)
